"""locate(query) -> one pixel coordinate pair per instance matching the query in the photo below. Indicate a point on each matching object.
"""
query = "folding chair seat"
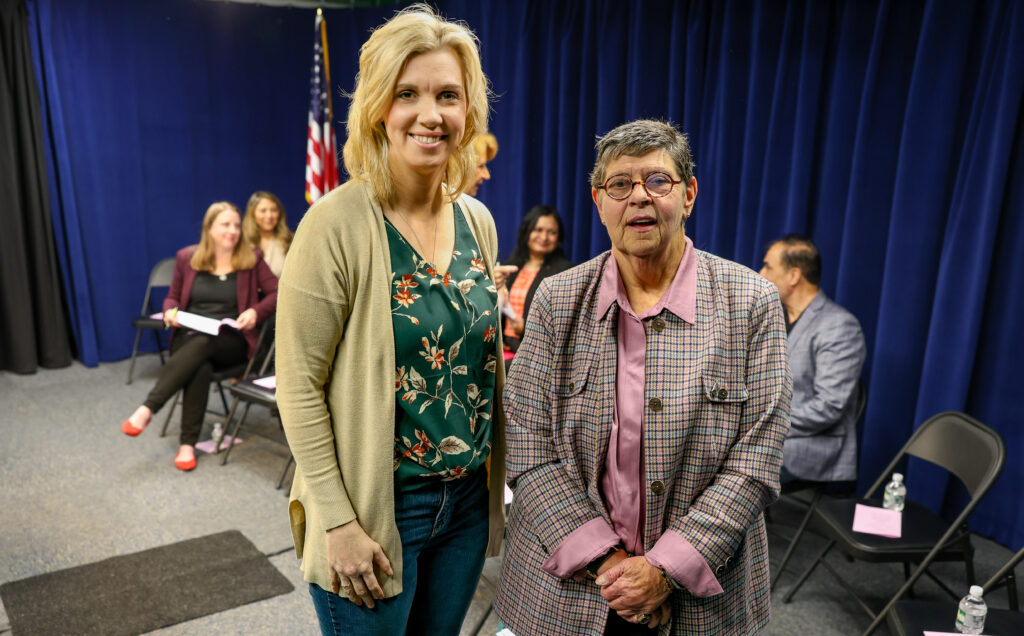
(910, 618)
(159, 276)
(249, 392)
(797, 492)
(965, 447)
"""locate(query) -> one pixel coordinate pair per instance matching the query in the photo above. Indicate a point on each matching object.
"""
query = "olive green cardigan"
(336, 378)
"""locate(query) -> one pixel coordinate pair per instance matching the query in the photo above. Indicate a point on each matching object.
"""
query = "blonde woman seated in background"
(265, 226)
(221, 277)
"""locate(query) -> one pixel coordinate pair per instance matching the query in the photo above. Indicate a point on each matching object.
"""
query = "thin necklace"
(417, 236)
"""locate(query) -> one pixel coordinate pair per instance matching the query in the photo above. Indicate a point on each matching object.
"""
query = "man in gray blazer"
(826, 353)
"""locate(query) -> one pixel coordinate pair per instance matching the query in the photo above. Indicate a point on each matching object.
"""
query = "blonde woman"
(265, 226)
(388, 345)
(221, 277)
(486, 148)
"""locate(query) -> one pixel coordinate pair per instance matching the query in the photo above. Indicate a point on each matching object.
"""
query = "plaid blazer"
(715, 445)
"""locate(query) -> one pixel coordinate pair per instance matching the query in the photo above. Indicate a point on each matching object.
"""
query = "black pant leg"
(225, 350)
(188, 352)
(194, 401)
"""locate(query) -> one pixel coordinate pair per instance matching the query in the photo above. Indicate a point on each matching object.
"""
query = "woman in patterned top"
(388, 346)
(538, 254)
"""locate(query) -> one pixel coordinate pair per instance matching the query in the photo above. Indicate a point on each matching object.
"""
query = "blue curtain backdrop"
(890, 131)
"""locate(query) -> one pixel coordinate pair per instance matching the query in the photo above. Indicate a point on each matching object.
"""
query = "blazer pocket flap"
(719, 389)
(571, 382)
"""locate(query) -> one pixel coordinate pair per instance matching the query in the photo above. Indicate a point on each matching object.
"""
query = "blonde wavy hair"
(414, 30)
(251, 231)
(204, 259)
(486, 147)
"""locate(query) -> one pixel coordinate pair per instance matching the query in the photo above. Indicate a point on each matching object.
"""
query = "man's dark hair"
(801, 252)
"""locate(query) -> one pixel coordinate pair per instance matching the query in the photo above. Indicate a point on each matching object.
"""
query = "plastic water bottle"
(895, 494)
(970, 618)
(217, 435)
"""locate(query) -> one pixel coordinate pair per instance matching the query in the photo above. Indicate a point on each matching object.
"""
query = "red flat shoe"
(184, 464)
(128, 429)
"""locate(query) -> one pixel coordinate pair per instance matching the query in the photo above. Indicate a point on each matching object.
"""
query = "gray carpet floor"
(76, 490)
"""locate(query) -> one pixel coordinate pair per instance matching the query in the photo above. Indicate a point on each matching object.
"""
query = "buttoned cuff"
(583, 545)
(684, 564)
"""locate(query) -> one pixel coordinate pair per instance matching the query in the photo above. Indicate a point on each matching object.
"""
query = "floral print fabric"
(444, 326)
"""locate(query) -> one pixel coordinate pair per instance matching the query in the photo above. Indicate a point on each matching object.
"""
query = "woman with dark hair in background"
(266, 226)
(538, 254)
(221, 277)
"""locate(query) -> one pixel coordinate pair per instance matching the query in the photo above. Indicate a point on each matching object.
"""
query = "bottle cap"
(897, 476)
(977, 590)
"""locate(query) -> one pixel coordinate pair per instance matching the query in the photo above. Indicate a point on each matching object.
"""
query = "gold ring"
(642, 619)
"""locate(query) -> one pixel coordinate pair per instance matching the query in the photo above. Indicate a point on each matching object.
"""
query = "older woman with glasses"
(388, 346)
(647, 408)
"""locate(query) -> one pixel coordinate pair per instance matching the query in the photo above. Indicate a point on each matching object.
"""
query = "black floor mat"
(140, 592)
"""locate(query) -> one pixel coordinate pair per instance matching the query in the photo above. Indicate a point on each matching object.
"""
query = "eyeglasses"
(657, 185)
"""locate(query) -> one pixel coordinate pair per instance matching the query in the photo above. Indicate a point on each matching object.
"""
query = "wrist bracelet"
(670, 583)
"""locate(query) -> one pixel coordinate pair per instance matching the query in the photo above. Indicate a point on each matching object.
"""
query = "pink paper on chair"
(157, 316)
(269, 382)
(871, 520)
(207, 445)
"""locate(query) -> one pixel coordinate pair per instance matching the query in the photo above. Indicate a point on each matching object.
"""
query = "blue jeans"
(443, 528)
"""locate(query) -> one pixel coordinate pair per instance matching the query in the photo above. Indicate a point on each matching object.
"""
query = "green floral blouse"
(444, 329)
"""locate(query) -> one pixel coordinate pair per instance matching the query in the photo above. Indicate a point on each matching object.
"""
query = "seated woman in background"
(265, 226)
(538, 254)
(222, 277)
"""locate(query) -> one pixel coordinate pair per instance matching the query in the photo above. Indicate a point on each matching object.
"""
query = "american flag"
(321, 146)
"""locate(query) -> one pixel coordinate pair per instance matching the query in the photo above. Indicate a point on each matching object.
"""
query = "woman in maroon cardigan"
(222, 277)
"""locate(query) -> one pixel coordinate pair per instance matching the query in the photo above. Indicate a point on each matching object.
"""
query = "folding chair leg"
(170, 413)
(234, 432)
(291, 458)
(906, 577)
(223, 400)
(969, 563)
(1011, 590)
(227, 423)
(284, 473)
(135, 352)
(803, 577)
(159, 347)
(796, 538)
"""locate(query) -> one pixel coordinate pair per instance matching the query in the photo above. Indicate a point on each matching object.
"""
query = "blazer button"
(655, 404)
(719, 569)
(658, 324)
(722, 394)
(657, 486)
(572, 387)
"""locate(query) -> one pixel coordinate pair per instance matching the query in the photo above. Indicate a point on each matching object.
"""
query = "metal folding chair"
(249, 392)
(159, 276)
(965, 447)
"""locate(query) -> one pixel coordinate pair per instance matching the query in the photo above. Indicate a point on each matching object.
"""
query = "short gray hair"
(636, 139)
